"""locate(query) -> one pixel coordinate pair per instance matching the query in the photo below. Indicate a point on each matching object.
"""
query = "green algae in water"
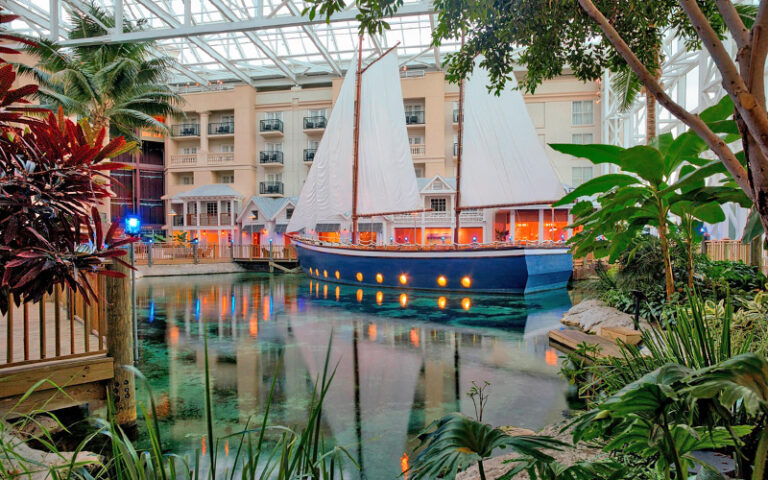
(402, 361)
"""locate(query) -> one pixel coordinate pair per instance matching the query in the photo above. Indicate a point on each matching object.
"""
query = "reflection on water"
(404, 359)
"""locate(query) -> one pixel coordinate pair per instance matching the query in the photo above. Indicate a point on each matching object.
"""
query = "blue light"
(197, 309)
(132, 225)
(474, 239)
(151, 311)
(194, 240)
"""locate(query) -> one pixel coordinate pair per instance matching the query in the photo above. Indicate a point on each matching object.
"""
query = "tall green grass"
(263, 451)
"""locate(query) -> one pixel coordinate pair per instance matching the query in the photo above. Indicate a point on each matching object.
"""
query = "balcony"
(272, 189)
(271, 127)
(184, 159)
(220, 158)
(414, 118)
(178, 220)
(191, 220)
(226, 219)
(418, 149)
(309, 155)
(185, 130)
(221, 128)
(315, 123)
(271, 158)
(209, 220)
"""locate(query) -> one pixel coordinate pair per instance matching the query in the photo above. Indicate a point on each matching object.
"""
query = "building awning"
(253, 228)
(281, 227)
(327, 227)
(377, 227)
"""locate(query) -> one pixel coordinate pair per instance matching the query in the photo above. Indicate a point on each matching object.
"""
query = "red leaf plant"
(51, 179)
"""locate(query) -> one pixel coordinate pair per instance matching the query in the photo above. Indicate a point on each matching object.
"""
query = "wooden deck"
(568, 340)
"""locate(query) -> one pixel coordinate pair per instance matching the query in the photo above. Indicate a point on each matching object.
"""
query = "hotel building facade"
(236, 163)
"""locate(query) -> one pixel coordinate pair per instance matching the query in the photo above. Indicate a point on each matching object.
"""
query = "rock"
(41, 425)
(516, 431)
(28, 463)
(592, 315)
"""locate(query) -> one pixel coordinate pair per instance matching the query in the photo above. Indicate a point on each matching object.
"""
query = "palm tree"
(122, 86)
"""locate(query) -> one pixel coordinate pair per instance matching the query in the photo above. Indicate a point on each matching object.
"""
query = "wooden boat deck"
(568, 340)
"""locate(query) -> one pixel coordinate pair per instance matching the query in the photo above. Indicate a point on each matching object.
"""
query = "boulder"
(592, 315)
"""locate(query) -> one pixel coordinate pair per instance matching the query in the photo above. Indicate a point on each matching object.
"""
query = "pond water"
(404, 360)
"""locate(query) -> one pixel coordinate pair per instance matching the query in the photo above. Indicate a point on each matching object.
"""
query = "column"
(198, 216)
(184, 213)
(541, 225)
(423, 239)
(218, 212)
(232, 213)
(204, 132)
(569, 232)
(453, 216)
(512, 225)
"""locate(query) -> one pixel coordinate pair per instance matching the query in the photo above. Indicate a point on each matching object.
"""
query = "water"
(413, 357)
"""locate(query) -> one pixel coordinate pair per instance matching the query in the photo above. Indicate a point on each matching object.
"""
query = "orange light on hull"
(403, 279)
(337, 274)
(325, 291)
(379, 278)
(466, 282)
(442, 281)
(325, 273)
(359, 277)
(338, 291)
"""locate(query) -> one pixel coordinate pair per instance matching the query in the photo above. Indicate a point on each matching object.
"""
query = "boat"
(363, 171)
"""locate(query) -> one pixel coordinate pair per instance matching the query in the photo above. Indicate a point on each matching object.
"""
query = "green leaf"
(696, 176)
(710, 212)
(753, 228)
(599, 184)
(595, 153)
(720, 111)
(644, 161)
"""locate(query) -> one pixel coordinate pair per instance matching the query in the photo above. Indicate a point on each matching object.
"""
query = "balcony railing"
(418, 149)
(414, 118)
(309, 155)
(186, 130)
(311, 123)
(191, 220)
(226, 219)
(222, 128)
(184, 159)
(271, 188)
(209, 219)
(220, 158)
(178, 220)
(271, 157)
(271, 125)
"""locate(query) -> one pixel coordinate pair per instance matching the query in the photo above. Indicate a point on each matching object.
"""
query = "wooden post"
(120, 344)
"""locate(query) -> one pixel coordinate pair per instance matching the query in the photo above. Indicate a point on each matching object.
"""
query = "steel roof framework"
(258, 42)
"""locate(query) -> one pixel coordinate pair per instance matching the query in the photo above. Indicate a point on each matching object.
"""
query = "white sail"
(386, 177)
(327, 192)
(503, 161)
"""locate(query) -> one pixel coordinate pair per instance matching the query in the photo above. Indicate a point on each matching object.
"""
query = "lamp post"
(133, 227)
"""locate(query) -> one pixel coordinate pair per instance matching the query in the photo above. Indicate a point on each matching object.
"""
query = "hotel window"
(211, 208)
(317, 112)
(582, 112)
(189, 150)
(273, 147)
(438, 204)
(416, 140)
(227, 148)
(289, 212)
(419, 170)
(580, 175)
(185, 179)
(275, 177)
(273, 115)
(312, 144)
(581, 138)
(228, 118)
(227, 178)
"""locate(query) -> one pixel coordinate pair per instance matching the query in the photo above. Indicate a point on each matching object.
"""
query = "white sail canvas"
(327, 192)
(503, 161)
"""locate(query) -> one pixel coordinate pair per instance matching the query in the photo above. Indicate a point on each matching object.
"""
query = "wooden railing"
(733, 250)
(278, 252)
(180, 253)
(60, 326)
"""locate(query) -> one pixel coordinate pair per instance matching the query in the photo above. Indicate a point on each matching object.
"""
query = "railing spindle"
(57, 318)
(26, 331)
(71, 313)
(102, 298)
(9, 345)
(86, 326)
(43, 352)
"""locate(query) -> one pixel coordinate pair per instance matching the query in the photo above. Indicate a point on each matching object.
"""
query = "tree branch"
(751, 110)
(714, 142)
(758, 52)
(733, 22)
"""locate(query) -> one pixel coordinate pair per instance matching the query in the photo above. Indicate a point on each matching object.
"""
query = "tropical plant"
(591, 36)
(120, 86)
(51, 177)
(645, 193)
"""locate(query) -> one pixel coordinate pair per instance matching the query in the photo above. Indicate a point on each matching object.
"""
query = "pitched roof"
(269, 207)
(212, 190)
(423, 182)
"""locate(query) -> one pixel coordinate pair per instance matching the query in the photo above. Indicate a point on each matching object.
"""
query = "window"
(228, 118)
(289, 212)
(582, 112)
(317, 112)
(580, 175)
(581, 138)
(419, 169)
(437, 204)
(189, 150)
(416, 140)
(228, 148)
(275, 177)
(312, 144)
(226, 207)
(273, 147)
(414, 108)
(227, 176)
(254, 214)
(273, 115)
(192, 208)
(212, 208)
(185, 179)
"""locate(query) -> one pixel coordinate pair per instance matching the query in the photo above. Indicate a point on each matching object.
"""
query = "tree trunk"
(650, 117)
(669, 279)
(690, 262)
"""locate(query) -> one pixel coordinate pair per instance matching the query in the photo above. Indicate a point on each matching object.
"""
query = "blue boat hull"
(476, 270)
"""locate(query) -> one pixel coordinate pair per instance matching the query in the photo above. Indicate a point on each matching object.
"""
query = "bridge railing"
(181, 253)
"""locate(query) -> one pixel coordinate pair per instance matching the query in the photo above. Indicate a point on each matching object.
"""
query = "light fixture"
(403, 279)
(442, 281)
(132, 225)
(466, 282)
(379, 278)
(338, 275)
(359, 277)
(325, 273)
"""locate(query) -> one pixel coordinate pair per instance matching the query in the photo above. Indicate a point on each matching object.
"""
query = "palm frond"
(626, 85)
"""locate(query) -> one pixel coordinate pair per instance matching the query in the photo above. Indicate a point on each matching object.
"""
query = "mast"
(356, 156)
(459, 148)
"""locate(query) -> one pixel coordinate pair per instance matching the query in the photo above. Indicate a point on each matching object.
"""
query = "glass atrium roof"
(260, 42)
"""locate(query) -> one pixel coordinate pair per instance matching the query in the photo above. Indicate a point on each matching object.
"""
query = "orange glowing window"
(325, 291)
(403, 299)
(379, 297)
(359, 295)
(466, 282)
(325, 273)
(442, 302)
(379, 278)
(442, 281)
(359, 277)
(338, 275)
(403, 279)
(466, 303)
